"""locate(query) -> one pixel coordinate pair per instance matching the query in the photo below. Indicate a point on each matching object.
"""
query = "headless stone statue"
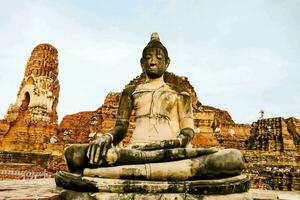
(164, 128)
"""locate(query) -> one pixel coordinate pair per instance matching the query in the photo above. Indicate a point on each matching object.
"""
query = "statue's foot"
(74, 182)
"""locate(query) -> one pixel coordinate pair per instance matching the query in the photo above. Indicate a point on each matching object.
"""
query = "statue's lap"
(224, 163)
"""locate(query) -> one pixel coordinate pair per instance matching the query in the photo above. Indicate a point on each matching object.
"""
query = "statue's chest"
(159, 102)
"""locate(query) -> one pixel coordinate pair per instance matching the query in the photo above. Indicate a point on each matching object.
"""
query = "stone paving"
(45, 188)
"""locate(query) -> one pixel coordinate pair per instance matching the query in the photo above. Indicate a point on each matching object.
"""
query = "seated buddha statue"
(159, 146)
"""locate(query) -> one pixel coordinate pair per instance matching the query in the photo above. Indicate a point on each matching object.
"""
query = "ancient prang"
(272, 151)
(31, 122)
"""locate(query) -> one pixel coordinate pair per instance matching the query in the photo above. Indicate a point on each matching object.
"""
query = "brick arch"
(25, 101)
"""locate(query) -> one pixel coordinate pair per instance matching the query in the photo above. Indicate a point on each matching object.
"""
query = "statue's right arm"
(98, 148)
(123, 115)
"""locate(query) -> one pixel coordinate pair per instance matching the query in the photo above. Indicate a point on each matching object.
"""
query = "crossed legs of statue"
(202, 164)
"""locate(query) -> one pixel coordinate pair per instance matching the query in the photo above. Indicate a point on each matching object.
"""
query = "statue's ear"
(142, 64)
(167, 63)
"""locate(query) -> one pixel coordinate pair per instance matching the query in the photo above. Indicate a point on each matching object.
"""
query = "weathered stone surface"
(271, 134)
(272, 157)
(43, 189)
(46, 161)
(22, 171)
(220, 164)
(274, 195)
(170, 196)
(293, 126)
(31, 122)
(79, 128)
(230, 185)
(46, 189)
(132, 156)
(28, 133)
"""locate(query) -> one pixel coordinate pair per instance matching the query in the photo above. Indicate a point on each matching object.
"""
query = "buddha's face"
(154, 63)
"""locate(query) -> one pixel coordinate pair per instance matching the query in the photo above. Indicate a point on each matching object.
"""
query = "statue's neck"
(154, 83)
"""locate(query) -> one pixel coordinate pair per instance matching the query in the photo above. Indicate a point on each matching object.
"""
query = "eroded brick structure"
(32, 120)
(272, 154)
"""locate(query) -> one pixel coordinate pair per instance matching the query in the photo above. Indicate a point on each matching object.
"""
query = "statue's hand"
(98, 148)
(185, 136)
(183, 140)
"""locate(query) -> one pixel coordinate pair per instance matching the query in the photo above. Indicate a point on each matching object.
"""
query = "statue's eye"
(159, 56)
(148, 57)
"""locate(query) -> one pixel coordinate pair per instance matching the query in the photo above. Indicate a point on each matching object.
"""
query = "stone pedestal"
(99, 188)
(152, 196)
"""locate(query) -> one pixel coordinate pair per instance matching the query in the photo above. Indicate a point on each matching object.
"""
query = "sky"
(240, 56)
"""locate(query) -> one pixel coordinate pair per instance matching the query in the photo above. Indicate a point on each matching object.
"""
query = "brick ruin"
(273, 153)
(30, 134)
(32, 120)
(30, 125)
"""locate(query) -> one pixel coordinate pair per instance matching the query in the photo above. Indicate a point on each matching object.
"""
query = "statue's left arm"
(186, 121)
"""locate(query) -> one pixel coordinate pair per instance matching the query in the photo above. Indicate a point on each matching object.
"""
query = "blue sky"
(240, 56)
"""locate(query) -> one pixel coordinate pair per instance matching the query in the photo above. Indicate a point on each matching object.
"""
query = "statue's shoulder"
(128, 90)
(179, 90)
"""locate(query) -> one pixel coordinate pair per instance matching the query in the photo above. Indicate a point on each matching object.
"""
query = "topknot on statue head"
(155, 43)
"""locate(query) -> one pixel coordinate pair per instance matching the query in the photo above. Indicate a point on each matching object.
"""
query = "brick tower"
(32, 120)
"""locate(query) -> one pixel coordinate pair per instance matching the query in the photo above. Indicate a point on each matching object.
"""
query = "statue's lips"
(152, 68)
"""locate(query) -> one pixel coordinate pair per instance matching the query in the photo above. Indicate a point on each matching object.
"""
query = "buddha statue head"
(155, 59)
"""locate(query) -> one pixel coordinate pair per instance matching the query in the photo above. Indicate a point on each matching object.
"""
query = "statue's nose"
(153, 61)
